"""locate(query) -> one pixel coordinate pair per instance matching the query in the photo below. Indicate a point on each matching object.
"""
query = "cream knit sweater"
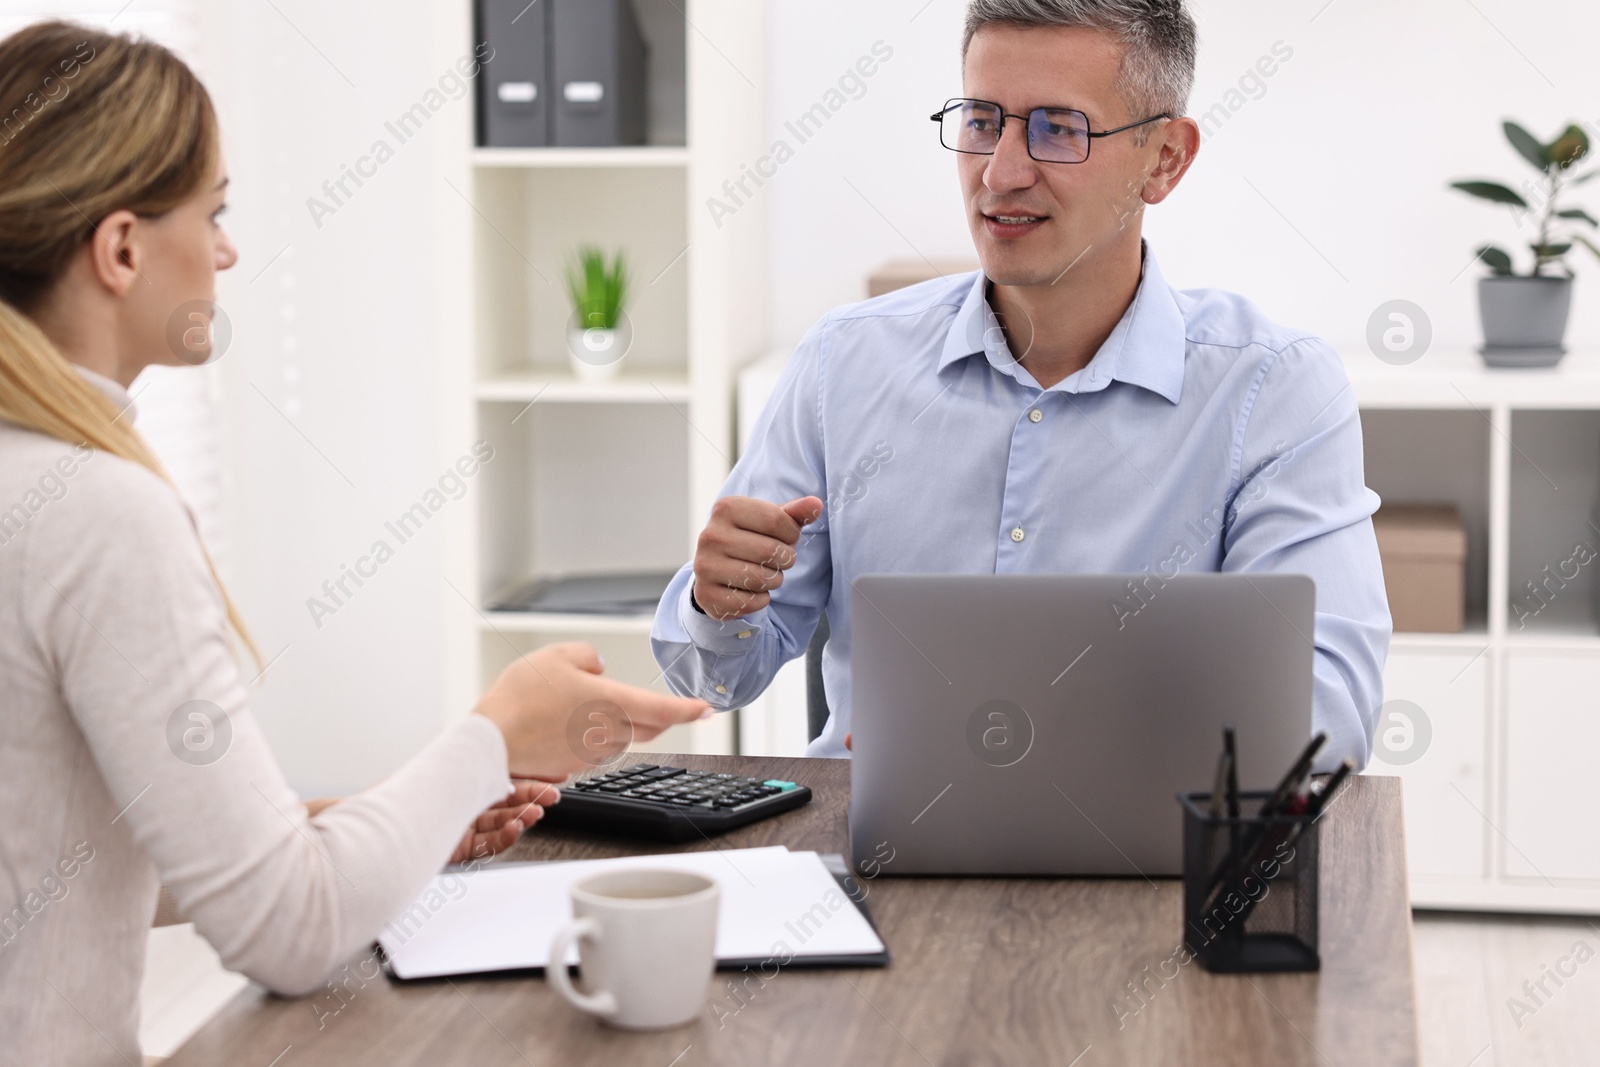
(110, 626)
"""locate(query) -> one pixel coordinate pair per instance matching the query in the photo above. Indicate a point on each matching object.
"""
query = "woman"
(113, 623)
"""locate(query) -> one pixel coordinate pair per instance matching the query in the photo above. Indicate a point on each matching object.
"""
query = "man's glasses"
(1055, 134)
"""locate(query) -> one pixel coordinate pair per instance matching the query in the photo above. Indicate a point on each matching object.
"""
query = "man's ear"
(116, 253)
(1180, 144)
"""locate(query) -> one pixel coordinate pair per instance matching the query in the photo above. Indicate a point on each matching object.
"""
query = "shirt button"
(1035, 415)
(1017, 534)
(744, 635)
(722, 689)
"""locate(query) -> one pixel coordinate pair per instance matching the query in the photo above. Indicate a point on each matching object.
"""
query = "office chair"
(816, 696)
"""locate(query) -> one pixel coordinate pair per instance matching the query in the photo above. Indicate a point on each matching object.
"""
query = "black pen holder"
(1249, 887)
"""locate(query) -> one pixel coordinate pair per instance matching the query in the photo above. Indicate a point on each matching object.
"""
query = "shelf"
(1567, 614)
(1564, 622)
(581, 489)
(530, 223)
(1520, 895)
(1473, 637)
(566, 389)
(1551, 567)
(622, 156)
(528, 622)
(1432, 457)
(1579, 637)
(1554, 641)
(1458, 378)
(1474, 640)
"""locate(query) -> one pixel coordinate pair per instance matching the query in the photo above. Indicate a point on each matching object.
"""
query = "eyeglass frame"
(950, 105)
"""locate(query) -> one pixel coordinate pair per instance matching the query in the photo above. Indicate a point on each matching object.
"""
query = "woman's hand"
(559, 716)
(498, 828)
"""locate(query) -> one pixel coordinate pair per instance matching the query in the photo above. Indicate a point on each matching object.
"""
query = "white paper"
(775, 904)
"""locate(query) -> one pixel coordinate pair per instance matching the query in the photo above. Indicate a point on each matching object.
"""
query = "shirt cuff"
(734, 637)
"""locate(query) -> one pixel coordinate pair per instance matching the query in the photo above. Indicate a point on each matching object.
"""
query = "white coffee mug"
(646, 946)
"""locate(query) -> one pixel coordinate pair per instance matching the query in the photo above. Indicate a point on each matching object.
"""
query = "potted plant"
(1525, 316)
(598, 333)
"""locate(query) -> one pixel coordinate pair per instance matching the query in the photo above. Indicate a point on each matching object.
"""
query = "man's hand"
(744, 550)
(499, 828)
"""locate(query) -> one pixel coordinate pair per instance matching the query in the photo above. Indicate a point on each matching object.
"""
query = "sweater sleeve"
(118, 595)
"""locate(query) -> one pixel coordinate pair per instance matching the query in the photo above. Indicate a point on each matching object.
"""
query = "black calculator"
(670, 803)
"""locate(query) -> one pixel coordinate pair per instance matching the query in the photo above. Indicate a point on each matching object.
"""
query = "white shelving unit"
(1498, 810)
(617, 475)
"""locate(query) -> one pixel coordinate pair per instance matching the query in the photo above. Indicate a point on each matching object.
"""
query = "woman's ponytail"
(90, 122)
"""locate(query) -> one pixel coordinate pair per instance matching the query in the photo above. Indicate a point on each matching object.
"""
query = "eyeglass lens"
(1054, 136)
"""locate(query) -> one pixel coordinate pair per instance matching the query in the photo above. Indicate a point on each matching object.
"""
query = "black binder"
(598, 77)
(514, 87)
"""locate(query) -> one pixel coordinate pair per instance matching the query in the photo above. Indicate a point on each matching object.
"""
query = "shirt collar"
(113, 392)
(1146, 348)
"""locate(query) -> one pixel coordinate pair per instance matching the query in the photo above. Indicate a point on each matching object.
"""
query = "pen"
(1320, 802)
(1292, 781)
(1311, 806)
(1219, 784)
(1230, 749)
(1288, 787)
(1233, 771)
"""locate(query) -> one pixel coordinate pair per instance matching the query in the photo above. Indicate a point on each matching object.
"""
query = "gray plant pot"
(1524, 320)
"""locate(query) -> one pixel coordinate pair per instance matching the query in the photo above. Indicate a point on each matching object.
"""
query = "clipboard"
(779, 909)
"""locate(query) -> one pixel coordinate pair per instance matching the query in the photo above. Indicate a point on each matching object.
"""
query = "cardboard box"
(899, 273)
(1424, 552)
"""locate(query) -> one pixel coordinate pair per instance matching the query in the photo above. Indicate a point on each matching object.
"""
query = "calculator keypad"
(676, 787)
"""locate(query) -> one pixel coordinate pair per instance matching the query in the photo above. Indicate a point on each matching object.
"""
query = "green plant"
(597, 291)
(1554, 161)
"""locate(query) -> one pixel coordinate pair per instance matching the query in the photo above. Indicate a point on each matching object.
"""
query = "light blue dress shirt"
(1200, 437)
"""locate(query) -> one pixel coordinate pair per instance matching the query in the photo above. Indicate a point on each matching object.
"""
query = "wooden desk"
(1001, 971)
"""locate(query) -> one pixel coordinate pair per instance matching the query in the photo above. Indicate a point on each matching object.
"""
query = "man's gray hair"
(1158, 41)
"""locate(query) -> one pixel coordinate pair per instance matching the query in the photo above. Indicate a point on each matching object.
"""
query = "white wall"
(1353, 141)
(332, 397)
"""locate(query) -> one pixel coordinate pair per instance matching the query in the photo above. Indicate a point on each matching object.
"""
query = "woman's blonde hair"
(90, 123)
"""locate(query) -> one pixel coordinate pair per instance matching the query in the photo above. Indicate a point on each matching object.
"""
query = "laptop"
(1043, 724)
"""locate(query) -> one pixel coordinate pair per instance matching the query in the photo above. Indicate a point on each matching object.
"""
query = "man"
(1062, 410)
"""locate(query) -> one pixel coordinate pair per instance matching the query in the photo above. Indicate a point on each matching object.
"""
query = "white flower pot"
(596, 354)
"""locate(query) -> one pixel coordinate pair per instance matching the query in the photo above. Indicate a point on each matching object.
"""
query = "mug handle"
(601, 1003)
